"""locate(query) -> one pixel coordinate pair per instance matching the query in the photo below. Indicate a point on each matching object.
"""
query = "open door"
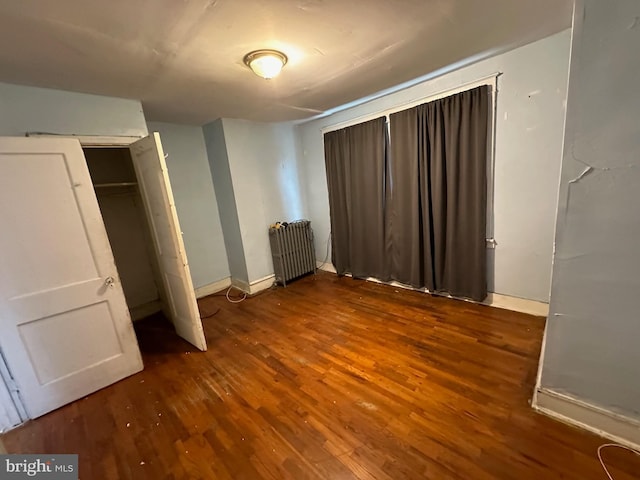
(151, 171)
(65, 330)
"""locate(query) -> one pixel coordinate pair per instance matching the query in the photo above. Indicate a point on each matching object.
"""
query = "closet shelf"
(117, 184)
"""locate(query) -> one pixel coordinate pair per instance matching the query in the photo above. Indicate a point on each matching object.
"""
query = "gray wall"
(592, 350)
(29, 109)
(195, 199)
(530, 116)
(255, 171)
(264, 172)
(221, 175)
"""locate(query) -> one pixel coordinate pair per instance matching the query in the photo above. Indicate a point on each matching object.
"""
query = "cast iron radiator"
(292, 250)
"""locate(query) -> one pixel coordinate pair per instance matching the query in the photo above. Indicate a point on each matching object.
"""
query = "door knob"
(109, 281)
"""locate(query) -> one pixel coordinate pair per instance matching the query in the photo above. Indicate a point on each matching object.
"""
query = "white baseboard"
(255, 286)
(613, 426)
(261, 284)
(241, 285)
(144, 310)
(532, 307)
(212, 288)
(497, 300)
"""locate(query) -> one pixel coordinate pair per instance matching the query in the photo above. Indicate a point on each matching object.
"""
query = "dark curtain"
(355, 159)
(437, 209)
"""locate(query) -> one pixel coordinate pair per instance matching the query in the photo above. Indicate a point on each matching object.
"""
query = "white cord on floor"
(326, 257)
(615, 445)
(235, 301)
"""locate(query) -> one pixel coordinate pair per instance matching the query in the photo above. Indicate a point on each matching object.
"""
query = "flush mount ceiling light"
(265, 63)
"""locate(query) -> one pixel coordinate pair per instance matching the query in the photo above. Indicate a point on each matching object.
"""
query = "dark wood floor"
(330, 378)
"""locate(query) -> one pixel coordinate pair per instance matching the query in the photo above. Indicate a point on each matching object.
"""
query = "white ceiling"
(183, 58)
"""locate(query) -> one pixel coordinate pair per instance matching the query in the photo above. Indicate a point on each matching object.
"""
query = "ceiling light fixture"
(265, 63)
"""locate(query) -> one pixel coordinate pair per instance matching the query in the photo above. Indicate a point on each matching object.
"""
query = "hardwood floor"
(330, 378)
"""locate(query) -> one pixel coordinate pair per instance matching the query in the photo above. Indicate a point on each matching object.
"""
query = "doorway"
(65, 322)
(117, 191)
(131, 182)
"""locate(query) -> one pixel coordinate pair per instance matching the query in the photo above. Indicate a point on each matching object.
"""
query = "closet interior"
(116, 187)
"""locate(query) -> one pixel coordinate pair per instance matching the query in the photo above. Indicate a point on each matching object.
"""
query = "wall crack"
(584, 173)
(602, 169)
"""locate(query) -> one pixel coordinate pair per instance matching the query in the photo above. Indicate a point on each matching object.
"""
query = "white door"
(64, 323)
(151, 171)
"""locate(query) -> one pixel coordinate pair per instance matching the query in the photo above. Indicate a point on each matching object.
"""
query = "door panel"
(65, 332)
(151, 171)
(34, 181)
(54, 353)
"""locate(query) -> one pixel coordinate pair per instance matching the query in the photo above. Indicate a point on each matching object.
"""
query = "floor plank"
(328, 378)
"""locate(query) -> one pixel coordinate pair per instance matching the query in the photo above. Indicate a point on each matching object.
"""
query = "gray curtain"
(356, 163)
(437, 210)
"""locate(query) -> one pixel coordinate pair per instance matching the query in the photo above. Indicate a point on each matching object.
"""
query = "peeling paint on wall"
(584, 173)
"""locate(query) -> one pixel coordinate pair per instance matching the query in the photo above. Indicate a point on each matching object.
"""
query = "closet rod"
(118, 184)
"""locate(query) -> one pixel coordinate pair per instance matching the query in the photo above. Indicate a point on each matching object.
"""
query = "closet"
(116, 187)
(91, 239)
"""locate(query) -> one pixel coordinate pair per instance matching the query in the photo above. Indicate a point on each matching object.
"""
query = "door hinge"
(5, 375)
(12, 385)
(14, 391)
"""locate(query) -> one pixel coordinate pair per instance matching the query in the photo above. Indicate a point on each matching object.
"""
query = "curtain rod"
(412, 103)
